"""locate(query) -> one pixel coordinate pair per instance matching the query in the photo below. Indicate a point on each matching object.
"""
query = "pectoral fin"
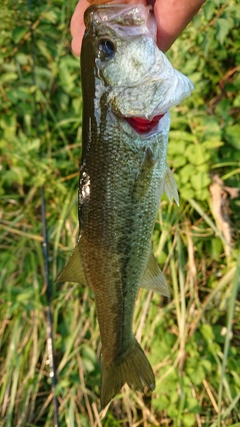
(170, 186)
(144, 178)
(153, 278)
(73, 270)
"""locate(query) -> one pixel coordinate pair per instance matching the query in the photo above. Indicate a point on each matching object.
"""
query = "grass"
(192, 340)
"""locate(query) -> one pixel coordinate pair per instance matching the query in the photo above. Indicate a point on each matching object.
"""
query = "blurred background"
(193, 339)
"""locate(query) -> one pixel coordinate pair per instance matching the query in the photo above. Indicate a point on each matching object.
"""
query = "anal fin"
(153, 278)
(73, 270)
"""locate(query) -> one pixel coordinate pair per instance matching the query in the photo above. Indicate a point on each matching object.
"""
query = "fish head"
(132, 76)
(123, 38)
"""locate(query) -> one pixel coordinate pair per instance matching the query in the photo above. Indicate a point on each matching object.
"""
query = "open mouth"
(143, 125)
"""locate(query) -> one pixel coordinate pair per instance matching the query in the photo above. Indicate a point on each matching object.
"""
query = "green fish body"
(128, 86)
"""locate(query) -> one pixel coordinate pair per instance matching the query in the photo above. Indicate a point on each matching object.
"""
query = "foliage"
(192, 341)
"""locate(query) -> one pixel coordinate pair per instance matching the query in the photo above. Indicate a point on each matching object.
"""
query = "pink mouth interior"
(143, 125)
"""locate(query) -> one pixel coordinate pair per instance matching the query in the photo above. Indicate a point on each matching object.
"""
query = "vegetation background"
(193, 340)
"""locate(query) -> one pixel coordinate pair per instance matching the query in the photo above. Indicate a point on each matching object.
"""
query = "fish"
(128, 86)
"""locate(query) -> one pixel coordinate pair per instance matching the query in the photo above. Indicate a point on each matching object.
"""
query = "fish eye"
(106, 49)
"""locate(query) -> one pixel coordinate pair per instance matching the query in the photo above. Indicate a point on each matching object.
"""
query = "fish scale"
(123, 174)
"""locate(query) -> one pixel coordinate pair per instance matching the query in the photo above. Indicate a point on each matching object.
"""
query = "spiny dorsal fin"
(170, 186)
(153, 278)
(73, 270)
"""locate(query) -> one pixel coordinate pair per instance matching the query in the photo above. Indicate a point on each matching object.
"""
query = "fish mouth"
(143, 126)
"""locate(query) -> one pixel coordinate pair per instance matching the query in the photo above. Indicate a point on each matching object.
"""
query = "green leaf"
(188, 420)
(216, 248)
(211, 129)
(22, 58)
(218, 2)
(211, 144)
(179, 161)
(8, 77)
(186, 192)
(186, 172)
(222, 29)
(161, 403)
(196, 154)
(200, 180)
(207, 365)
(50, 16)
(236, 102)
(18, 33)
(192, 405)
(172, 411)
(232, 134)
(207, 332)
(44, 49)
(202, 194)
(209, 9)
(197, 374)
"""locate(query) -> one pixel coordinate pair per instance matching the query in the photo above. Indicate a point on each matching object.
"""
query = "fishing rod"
(52, 372)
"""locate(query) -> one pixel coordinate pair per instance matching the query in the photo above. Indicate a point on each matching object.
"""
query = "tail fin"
(133, 369)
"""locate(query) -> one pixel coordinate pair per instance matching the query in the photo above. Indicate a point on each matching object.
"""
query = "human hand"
(172, 16)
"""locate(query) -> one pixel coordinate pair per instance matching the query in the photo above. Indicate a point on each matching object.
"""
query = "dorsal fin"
(170, 186)
(73, 270)
(153, 278)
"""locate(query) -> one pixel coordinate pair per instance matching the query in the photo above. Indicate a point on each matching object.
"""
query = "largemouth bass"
(128, 86)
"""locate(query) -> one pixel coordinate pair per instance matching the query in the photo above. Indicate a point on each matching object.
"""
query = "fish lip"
(144, 126)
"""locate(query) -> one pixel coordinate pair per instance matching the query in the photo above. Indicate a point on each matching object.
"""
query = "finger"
(77, 19)
(172, 17)
(77, 41)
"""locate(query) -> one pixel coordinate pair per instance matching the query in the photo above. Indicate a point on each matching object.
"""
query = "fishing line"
(45, 240)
